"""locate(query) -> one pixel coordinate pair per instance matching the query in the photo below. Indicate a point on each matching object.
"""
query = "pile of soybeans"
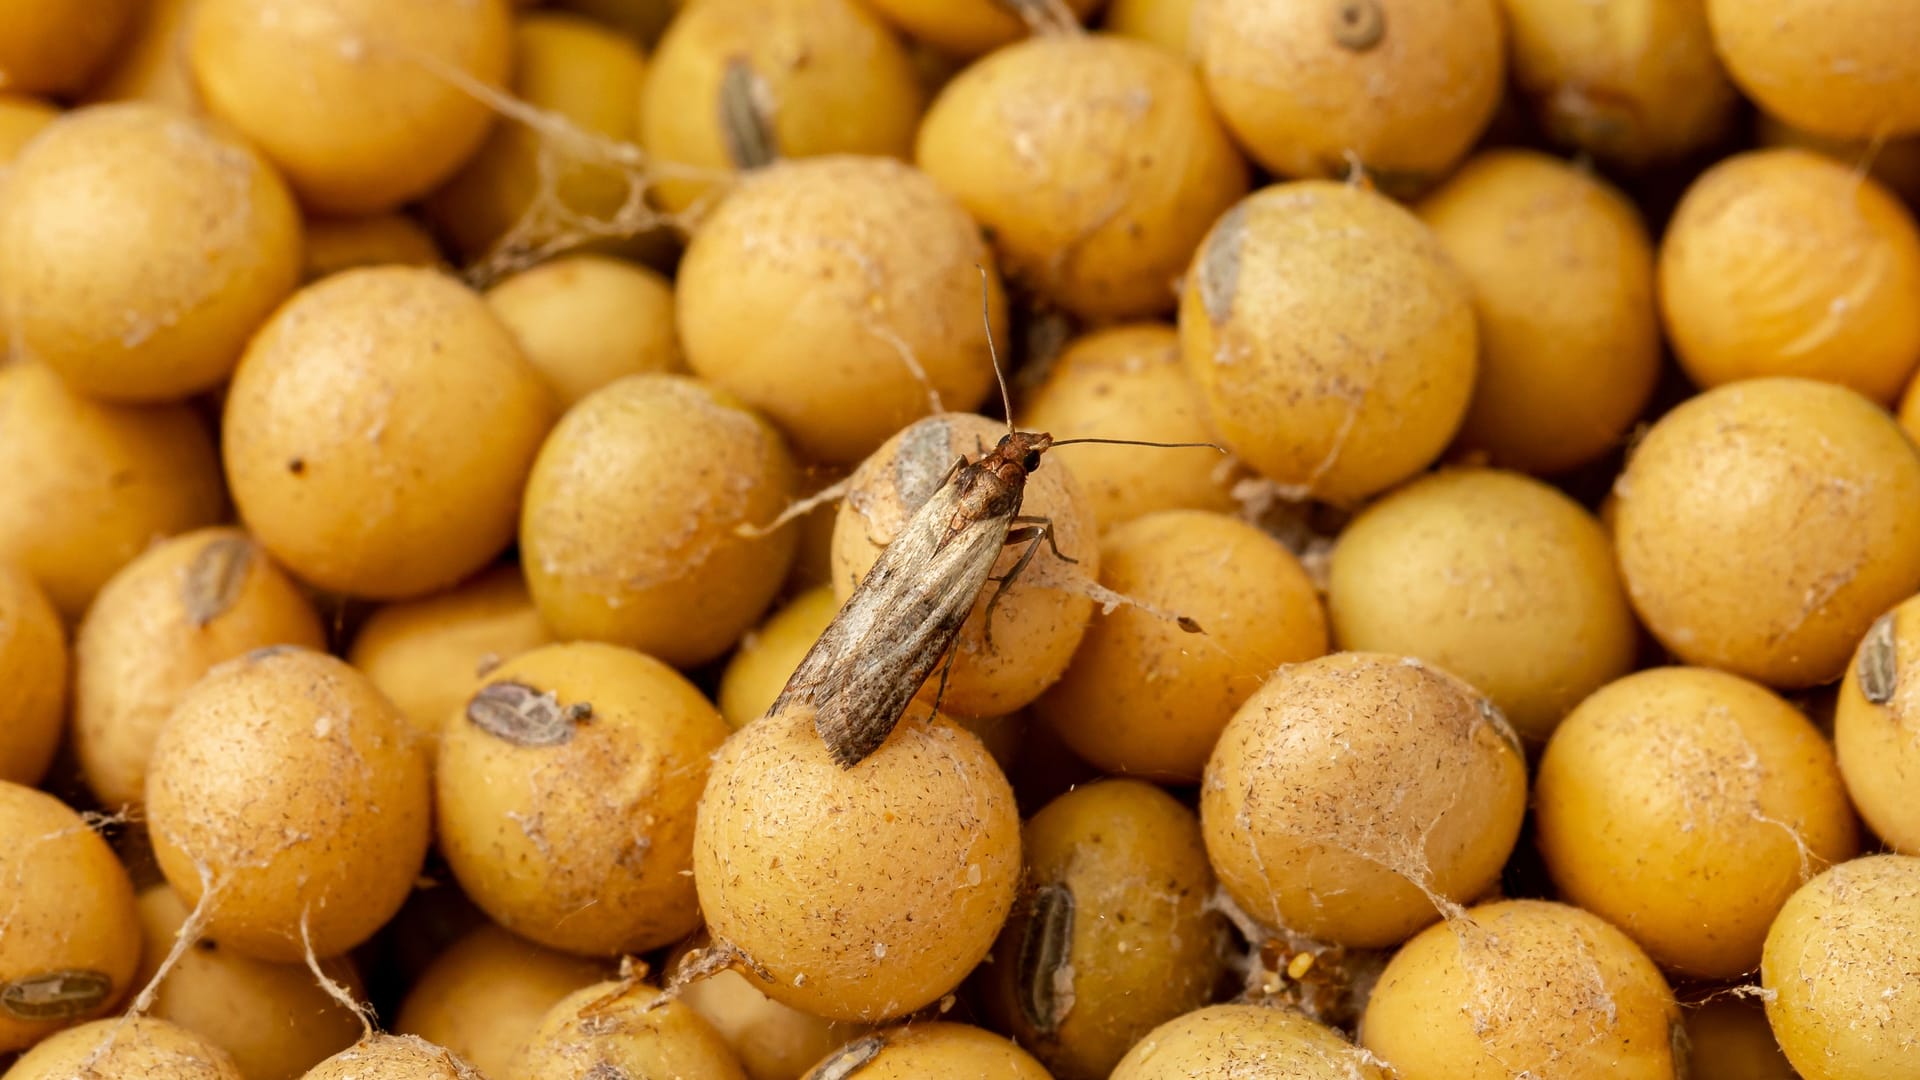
(433, 433)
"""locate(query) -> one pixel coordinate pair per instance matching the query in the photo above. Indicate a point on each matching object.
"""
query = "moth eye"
(1031, 461)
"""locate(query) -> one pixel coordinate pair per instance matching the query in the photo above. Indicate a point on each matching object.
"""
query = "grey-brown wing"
(884, 642)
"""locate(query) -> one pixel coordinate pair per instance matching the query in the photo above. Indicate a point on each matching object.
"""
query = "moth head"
(1024, 447)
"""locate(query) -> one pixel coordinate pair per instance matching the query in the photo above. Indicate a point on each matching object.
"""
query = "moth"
(906, 613)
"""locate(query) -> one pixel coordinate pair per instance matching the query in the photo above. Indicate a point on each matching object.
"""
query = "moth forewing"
(904, 615)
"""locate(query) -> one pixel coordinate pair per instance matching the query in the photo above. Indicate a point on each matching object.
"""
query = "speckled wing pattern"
(902, 617)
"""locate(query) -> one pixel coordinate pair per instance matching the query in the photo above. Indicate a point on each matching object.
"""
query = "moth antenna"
(986, 319)
(1140, 442)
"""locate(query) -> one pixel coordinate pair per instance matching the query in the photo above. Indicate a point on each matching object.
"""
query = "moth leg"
(1046, 528)
(1026, 534)
(946, 669)
(1031, 535)
(961, 463)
